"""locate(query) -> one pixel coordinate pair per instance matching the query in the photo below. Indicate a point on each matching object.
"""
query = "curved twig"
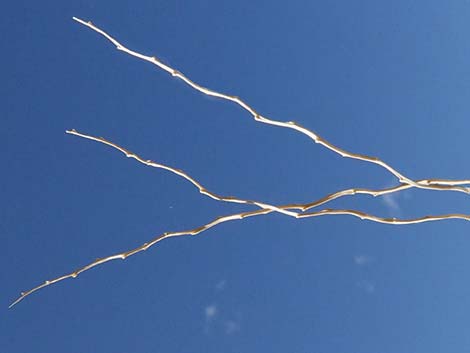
(182, 174)
(284, 210)
(237, 216)
(434, 184)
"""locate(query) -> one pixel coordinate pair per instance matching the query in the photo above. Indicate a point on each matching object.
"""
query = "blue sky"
(378, 78)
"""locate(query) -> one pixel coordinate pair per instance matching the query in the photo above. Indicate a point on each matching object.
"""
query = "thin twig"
(184, 175)
(284, 209)
(434, 184)
(237, 216)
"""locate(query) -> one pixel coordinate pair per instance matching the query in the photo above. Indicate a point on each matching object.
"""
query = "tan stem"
(237, 216)
(434, 184)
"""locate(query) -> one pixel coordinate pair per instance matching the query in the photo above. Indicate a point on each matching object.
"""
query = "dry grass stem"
(296, 210)
(282, 209)
(434, 184)
(233, 217)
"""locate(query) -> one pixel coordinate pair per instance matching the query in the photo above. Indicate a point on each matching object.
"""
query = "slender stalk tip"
(15, 302)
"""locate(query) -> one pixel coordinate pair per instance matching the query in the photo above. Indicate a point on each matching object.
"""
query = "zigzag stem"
(237, 216)
(434, 184)
(262, 205)
(184, 175)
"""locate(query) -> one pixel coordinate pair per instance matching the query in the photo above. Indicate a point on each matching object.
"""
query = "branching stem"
(292, 210)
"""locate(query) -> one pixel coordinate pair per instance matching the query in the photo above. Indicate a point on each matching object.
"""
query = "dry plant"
(292, 210)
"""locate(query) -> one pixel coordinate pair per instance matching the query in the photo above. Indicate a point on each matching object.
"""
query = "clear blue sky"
(389, 79)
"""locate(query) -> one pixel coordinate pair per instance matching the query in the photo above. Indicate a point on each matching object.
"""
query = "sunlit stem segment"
(287, 210)
(233, 217)
(265, 208)
(435, 184)
(184, 175)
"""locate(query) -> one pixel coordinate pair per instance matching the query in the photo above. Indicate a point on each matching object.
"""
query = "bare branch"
(263, 205)
(434, 184)
(184, 175)
(233, 217)
(265, 208)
